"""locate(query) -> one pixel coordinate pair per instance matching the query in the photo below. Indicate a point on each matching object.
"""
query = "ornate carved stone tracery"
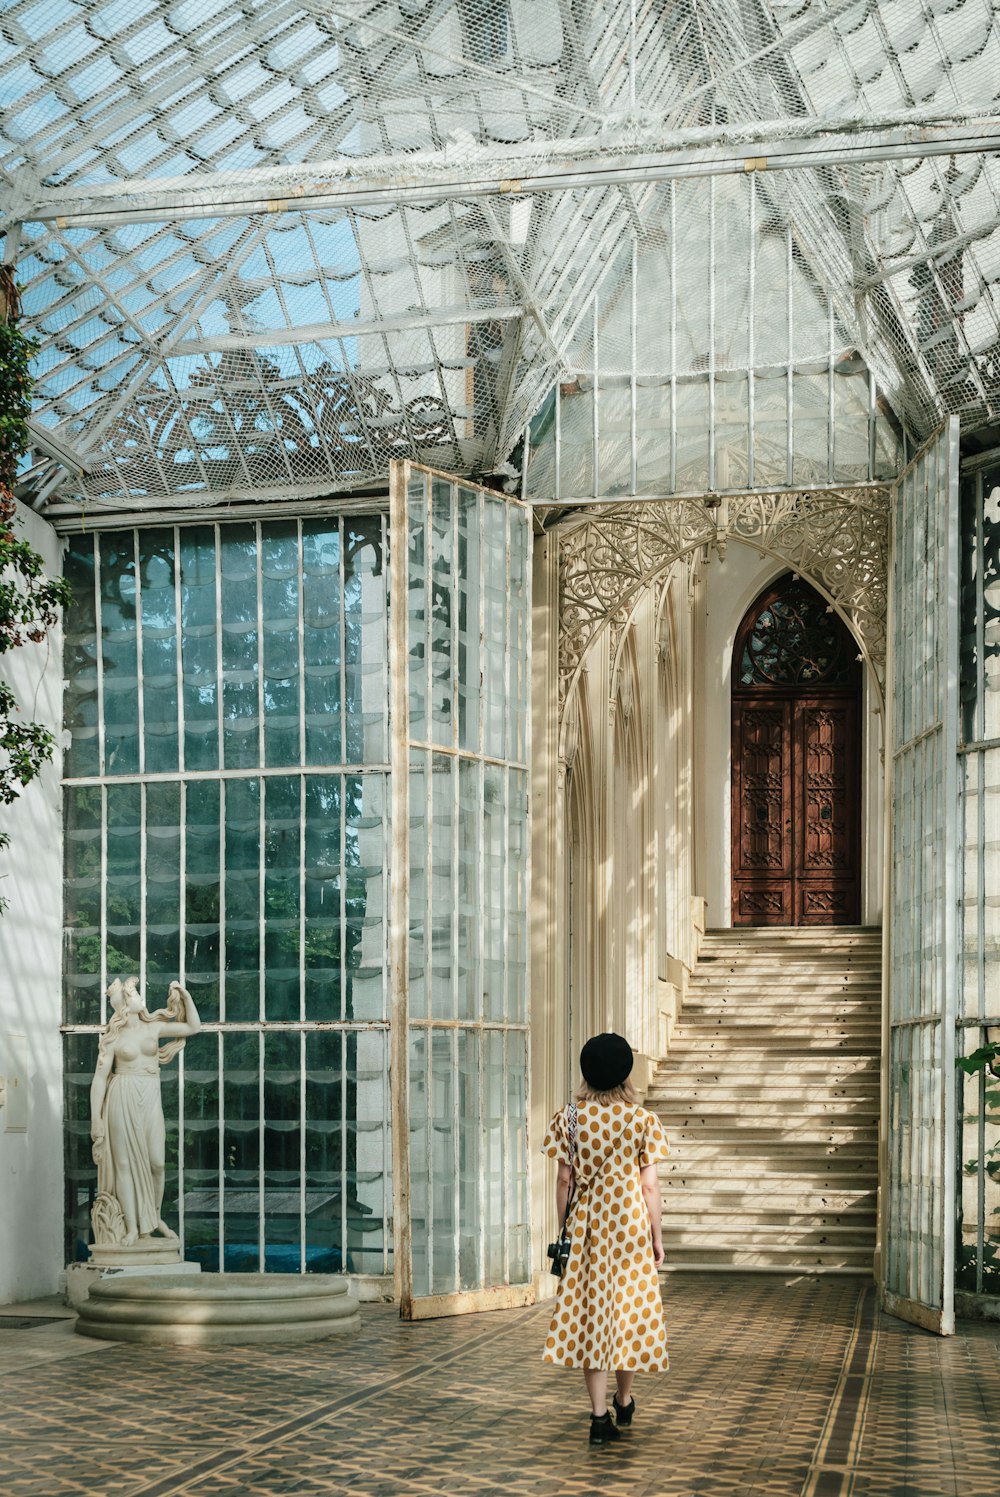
(836, 538)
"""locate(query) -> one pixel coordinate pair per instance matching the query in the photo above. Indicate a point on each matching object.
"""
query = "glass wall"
(226, 821)
(713, 358)
(979, 886)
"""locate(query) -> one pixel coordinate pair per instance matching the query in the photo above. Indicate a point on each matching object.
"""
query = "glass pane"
(200, 626)
(80, 1059)
(519, 681)
(80, 703)
(443, 684)
(202, 1150)
(124, 881)
(324, 897)
(242, 902)
(469, 584)
(615, 449)
(159, 650)
(202, 895)
(366, 1180)
(242, 1227)
(163, 888)
(283, 1202)
(240, 647)
(495, 624)
(516, 1167)
(279, 581)
(692, 436)
(494, 889)
(365, 855)
(420, 1156)
(470, 1239)
(120, 653)
(83, 886)
(321, 640)
(468, 892)
(770, 428)
(281, 897)
(516, 944)
(366, 642)
(420, 885)
(811, 434)
(444, 787)
(732, 432)
(494, 1186)
(653, 437)
(417, 608)
(325, 1103)
(444, 1172)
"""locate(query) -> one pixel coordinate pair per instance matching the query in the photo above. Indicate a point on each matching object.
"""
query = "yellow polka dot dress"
(608, 1313)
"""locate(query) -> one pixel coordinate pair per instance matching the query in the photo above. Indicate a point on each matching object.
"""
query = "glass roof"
(265, 248)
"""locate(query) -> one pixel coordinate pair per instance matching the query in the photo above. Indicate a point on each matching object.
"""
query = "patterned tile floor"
(793, 1389)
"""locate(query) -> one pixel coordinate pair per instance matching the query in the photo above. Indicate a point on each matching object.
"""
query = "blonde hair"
(625, 1092)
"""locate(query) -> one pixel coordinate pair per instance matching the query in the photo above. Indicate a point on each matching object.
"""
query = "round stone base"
(212, 1309)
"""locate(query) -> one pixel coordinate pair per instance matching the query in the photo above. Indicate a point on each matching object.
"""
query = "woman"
(126, 1114)
(608, 1316)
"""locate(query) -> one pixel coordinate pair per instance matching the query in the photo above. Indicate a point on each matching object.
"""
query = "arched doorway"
(796, 777)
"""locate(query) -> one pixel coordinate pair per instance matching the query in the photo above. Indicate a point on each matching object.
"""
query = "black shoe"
(602, 1429)
(623, 1415)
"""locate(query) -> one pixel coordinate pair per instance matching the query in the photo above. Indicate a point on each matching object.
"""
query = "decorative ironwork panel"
(838, 538)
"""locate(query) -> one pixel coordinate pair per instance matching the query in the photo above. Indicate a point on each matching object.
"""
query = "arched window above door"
(792, 638)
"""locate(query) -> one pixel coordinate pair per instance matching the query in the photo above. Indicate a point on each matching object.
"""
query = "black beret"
(606, 1061)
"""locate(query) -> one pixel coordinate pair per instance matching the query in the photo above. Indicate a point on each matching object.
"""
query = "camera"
(559, 1253)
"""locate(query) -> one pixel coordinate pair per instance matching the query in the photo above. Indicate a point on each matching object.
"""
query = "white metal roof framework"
(268, 247)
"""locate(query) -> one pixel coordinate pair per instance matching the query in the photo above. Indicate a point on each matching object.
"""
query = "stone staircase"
(770, 1098)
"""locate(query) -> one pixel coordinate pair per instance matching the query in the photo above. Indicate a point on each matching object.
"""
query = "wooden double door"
(796, 741)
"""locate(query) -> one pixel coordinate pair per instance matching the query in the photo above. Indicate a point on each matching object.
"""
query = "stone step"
(795, 1167)
(795, 975)
(810, 996)
(692, 1140)
(766, 1011)
(776, 1068)
(792, 1171)
(804, 1206)
(675, 1111)
(754, 1040)
(702, 1087)
(783, 1235)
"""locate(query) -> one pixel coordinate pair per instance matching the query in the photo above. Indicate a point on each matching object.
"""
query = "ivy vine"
(29, 600)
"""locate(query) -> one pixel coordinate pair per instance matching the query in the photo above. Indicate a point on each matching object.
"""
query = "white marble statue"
(126, 1114)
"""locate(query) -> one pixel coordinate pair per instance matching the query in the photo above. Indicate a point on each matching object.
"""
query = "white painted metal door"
(459, 612)
(919, 1112)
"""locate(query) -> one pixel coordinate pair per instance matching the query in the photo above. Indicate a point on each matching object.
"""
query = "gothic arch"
(838, 539)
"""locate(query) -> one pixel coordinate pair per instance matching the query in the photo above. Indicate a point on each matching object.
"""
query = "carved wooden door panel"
(762, 800)
(796, 811)
(826, 821)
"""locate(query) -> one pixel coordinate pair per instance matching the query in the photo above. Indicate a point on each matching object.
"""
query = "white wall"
(727, 589)
(31, 1162)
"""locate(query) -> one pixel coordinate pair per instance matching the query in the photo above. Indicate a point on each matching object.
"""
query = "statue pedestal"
(148, 1252)
(154, 1255)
